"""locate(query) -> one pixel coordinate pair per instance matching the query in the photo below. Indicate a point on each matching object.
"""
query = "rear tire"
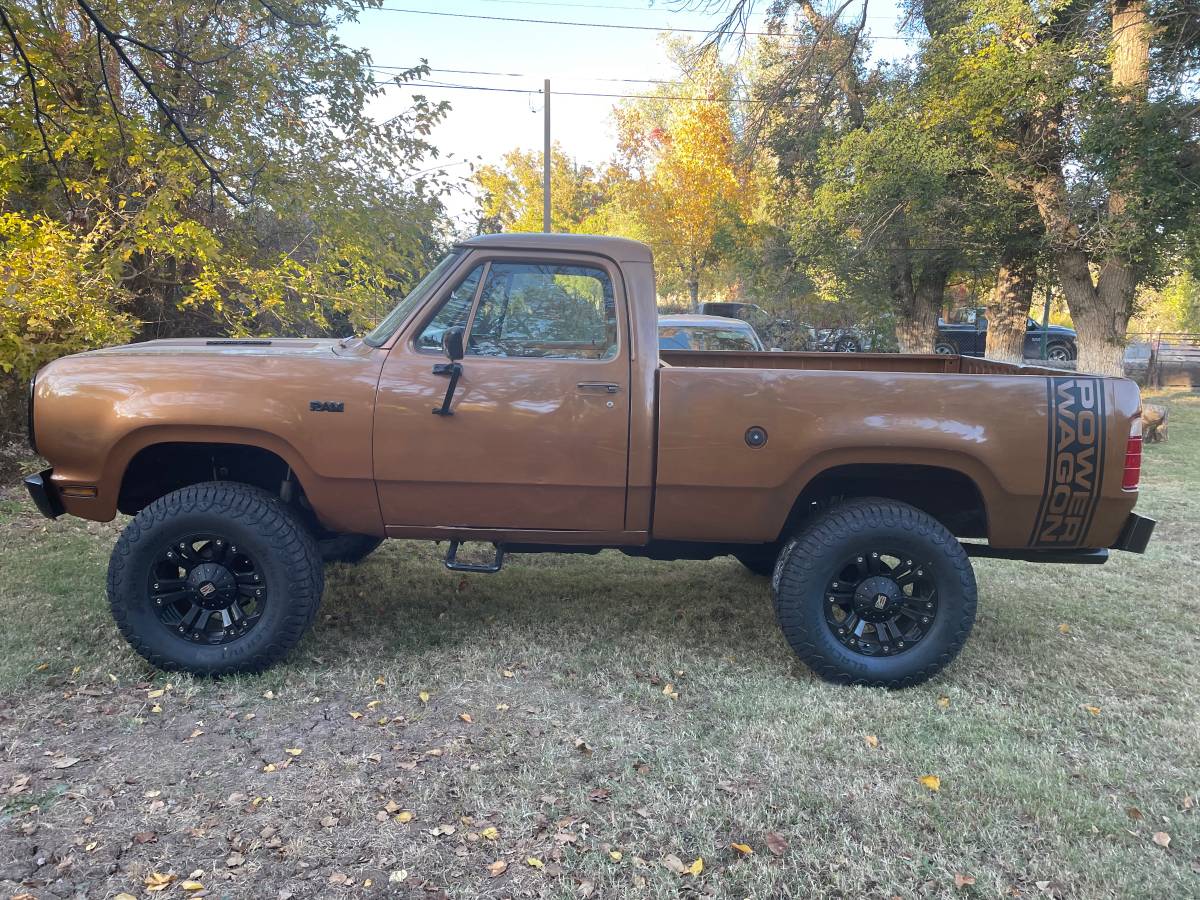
(853, 616)
(347, 548)
(215, 578)
(942, 348)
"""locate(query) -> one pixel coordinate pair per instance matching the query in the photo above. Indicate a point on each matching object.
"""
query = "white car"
(698, 332)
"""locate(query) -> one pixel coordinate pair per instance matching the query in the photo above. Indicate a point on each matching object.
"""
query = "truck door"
(538, 435)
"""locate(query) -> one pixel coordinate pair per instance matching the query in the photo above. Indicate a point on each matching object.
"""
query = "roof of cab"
(621, 249)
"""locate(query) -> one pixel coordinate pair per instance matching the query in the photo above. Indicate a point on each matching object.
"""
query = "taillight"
(1133, 457)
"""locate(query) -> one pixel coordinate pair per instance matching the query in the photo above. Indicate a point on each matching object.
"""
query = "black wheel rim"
(1058, 354)
(206, 590)
(881, 602)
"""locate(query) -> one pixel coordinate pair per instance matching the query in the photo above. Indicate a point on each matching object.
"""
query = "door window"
(545, 310)
(455, 311)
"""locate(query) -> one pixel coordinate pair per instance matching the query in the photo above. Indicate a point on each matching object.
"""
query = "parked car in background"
(840, 340)
(965, 333)
(700, 332)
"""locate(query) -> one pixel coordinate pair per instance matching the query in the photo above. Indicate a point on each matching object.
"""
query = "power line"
(610, 25)
(522, 75)
(638, 9)
(437, 85)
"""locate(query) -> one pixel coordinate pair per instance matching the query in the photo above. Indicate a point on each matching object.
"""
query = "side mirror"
(452, 343)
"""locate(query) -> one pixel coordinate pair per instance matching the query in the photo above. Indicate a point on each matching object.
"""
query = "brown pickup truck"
(517, 396)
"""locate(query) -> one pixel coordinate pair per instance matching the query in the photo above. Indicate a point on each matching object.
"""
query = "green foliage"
(218, 174)
(511, 196)
(51, 301)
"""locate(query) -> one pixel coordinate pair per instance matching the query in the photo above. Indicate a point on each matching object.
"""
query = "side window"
(545, 310)
(454, 311)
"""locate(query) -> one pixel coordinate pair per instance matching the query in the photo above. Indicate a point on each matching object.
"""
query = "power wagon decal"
(1074, 462)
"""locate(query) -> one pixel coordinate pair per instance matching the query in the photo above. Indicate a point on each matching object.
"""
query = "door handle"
(606, 387)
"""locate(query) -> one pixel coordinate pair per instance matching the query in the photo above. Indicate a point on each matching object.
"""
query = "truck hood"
(230, 347)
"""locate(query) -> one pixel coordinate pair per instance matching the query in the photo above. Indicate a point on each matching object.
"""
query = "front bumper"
(44, 494)
(1135, 534)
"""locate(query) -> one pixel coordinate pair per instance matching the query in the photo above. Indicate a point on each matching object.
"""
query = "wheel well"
(161, 468)
(949, 496)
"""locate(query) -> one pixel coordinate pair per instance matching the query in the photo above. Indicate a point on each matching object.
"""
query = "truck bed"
(927, 363)
(1041, 447)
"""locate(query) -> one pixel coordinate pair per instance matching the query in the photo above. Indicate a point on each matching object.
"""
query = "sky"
(483, 125)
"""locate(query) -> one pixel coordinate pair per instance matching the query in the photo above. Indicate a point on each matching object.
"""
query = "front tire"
(215, 578)
(875, 592)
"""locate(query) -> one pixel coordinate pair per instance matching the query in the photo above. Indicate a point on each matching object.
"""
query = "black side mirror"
(452, 343)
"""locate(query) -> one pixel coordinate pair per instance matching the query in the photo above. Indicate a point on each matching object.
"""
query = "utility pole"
(546, 160)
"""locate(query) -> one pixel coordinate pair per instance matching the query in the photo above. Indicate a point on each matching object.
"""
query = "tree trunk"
(1100, 311)
(916, 303)
(693, 286)
(1008, 307)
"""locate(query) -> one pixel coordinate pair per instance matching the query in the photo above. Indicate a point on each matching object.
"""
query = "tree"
(210, 167)
(1082, 107)
(511, 194)
(683, 183)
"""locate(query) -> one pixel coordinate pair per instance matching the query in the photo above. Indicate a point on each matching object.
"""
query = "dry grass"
(1036, 790)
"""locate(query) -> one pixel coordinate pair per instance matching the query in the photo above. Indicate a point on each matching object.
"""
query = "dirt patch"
(108, 790)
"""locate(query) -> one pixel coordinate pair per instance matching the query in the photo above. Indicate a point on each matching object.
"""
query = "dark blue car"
(966, 334)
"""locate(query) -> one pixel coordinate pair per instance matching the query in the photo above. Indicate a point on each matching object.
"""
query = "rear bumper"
(1135, 534)
(44, 494)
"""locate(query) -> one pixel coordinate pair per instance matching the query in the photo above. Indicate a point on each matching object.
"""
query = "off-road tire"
(811, 558)
(759, 558)
(269, 531)
(346, 548)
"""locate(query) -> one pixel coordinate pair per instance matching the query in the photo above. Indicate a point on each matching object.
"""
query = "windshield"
(415, 298)
(674, 337)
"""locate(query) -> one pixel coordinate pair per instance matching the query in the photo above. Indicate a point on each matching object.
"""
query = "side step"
(491, 568)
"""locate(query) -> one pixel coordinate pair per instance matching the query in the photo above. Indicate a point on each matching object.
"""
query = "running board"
(491, 568)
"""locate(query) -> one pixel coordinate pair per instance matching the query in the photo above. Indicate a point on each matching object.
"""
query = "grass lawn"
(575, 721)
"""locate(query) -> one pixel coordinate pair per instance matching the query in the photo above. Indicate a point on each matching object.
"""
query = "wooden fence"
(1164, 359)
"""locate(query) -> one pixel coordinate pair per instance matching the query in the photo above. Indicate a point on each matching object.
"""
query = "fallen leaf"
(156, 881)
(508, 673)
(961, 881)
(944, 702)
(124, 896)
(872, 741)
(776, 844)
(293, 751)
(696, 867)
(191, 886)
(1094, 710)
(329, 822)
(235, 860)
(354, 714)
(615, 855)
(598, 795)
(534, 863)
(743, 849)
(1134, 813)
(423, 696)
(675, 864)
(489, 833)
(195, 734)
(1162, 839)
(153, 694)
(1064, 628)
(503, 707)
(466, 717)
(670, 691)
(269, 767)
(374, 704)
(145, 837)
(398, 876)
(582, 746)
(268, 695)
(379, 682)
(933, 782)
(64, 762)
(498, 868)
(439, 830)
(586, 889)
(404, 816)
